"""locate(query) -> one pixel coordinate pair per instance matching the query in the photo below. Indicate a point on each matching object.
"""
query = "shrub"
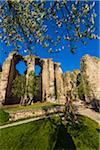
(83, 87)
(95, 105)
(4, 116)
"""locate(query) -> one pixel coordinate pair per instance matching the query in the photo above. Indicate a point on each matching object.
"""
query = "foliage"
(18, 86)
(83, 87)
(33, 86)
(70, 110)
(31, 22)
(49, 134)
(95, 105)
(70, 116)
(83, 91)
(4, 116)
(20, 89)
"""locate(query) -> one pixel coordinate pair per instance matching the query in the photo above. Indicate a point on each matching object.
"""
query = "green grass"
(14, 108)
(4, 117)
(49, 134)
(38, 135)
(86, 134)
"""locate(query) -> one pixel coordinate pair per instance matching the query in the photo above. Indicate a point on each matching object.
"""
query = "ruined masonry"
(54, 84)
(51, 76)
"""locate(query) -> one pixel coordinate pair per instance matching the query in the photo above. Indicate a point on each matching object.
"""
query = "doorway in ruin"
(18, 67)
(38, 76)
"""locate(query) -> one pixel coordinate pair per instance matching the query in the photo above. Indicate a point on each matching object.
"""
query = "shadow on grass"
(64, 140)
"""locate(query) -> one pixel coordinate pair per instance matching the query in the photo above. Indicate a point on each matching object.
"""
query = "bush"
(95, 105)
(4, 116)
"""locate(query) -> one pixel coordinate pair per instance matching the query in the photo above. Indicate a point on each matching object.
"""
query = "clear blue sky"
(68, 60)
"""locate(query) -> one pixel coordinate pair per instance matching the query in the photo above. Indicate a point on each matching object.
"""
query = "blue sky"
(68, 60)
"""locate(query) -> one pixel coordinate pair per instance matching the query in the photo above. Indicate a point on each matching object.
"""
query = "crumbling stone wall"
(90, 78)
(54, 84)
(59, 84)
(4, 78)
(90, 71)
(70, 83)
(22, 114)
(48, 75)
(7, 76)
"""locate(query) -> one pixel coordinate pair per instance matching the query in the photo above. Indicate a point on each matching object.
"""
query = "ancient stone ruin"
(86, 81)
(90, 71)
(51, 77)
(54, 84)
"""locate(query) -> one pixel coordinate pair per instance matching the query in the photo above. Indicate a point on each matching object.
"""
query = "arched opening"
(21, 67)
(38, 70)
(17, 69)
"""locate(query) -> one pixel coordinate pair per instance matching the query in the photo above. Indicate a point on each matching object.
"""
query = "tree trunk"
(22, 102)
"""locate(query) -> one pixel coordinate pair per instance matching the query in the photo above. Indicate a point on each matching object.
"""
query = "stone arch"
(9, 99)
(38, 62)
(51, 79)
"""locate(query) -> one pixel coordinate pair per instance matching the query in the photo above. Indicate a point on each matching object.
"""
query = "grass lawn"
(86, 134)
(14, 108)
(4, 116)
(50, 134)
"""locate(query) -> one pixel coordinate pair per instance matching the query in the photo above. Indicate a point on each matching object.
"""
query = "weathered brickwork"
(54, 84)
(48, 74)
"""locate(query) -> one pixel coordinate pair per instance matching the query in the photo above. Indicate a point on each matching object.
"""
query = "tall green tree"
(47, 23)
(33, 86)
(25, 91)
(18, 87)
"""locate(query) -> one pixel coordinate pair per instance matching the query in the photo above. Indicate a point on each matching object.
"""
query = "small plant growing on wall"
(83, 88)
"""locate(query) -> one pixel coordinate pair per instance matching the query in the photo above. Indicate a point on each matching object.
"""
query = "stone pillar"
(59, 84)
(45, 80)
(30, 68)
(6, 76)
(51, 81)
